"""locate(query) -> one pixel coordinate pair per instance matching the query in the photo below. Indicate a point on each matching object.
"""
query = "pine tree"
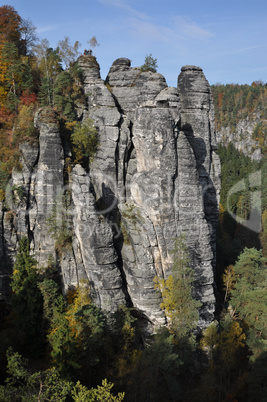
(26, 298)
(150, 64)
(249, 298)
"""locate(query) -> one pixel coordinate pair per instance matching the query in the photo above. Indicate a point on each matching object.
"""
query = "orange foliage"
(3, 71)
(27, 98)
(5, 117)
(9, 24)
(220, 97)
(221, 213)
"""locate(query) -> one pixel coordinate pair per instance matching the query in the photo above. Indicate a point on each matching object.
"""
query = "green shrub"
(84, 140)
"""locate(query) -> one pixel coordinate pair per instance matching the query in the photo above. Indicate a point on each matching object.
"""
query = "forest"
(235, 102)
(61, 347)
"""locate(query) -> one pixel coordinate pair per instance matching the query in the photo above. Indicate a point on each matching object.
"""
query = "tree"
(10, 23)
(209, 340)
(89, 326)
(15, 75)
(155, 375)
(231, 339)
(100, 394)
(24, 385)
(93, 42)
(26, 298)
(257, 390)
(223, 342)
(150, 64)
(180, 306)
(63, 101)
(12, 47)
(28, 36)
(67, 52)
(49, 63)
(125, 345)
(77, 334)
(229, 279)
(51, 67)
(84, 141)
(62, 341)
(249, 298)
(40, 50)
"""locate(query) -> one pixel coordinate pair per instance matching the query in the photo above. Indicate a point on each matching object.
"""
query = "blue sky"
(228, 39)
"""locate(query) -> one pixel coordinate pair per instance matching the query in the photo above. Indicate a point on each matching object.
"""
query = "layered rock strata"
(155, 176)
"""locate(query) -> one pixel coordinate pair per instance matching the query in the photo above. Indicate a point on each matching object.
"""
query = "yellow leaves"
(70, 125)
(77, 298)
(53, 330)
(102, 393)
(71, 295)
(231, 339)
(84, 140)
(166, 287)
(24, 128)
(181, 309)
(82, 296)
(210, 338)
(126, 363)
(229, 280)
(3, 95)
(225, 343)
(2, 194)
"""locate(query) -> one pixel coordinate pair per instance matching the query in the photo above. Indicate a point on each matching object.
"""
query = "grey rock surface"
(155, 176)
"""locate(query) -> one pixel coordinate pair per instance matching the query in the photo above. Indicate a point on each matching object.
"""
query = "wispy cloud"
(140, 24)
(191, 29)
(124, 5)
(47, 28)
(149, 30)
(175, 28)
(239, 51)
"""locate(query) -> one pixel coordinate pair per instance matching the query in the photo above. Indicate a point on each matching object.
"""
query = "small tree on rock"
(150, 64)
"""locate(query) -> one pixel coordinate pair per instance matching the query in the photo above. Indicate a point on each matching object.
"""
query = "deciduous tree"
(67, 52)
(178, 302)
(10, 24)
(84, 141)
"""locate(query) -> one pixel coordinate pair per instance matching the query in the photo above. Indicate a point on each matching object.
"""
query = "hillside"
(241, 117)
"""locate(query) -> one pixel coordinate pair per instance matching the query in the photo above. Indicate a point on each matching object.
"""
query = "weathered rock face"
(155, 176)
(197, 122)
(241, 137)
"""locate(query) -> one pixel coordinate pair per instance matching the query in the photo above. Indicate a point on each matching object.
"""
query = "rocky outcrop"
(241, 137)
(155, 176)
(197, 122)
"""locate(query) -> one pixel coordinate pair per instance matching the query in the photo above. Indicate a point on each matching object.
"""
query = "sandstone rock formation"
(242, 137)
(155, 175)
